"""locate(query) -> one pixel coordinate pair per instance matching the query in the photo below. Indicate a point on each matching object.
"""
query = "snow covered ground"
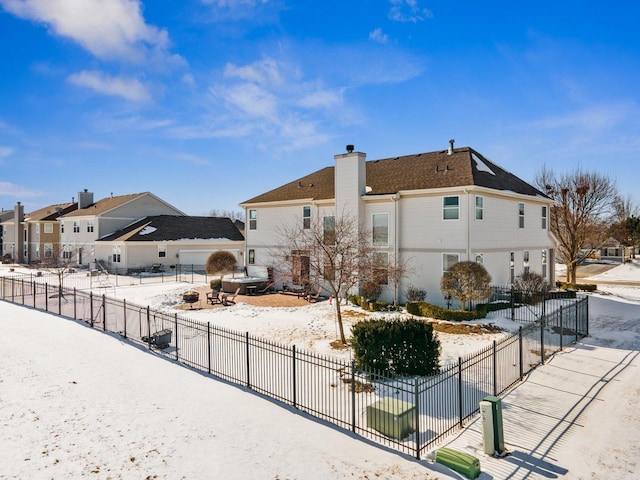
(76, 403)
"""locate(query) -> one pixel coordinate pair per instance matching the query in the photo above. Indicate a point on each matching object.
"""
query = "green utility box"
(391, 417)
(461, 462)
(496, 411)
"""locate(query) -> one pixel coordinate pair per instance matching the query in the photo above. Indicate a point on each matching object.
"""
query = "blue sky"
(207, 103)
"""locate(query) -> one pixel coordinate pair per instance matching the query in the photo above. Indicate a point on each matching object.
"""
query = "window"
(48, 250)
(544, 218)
(66, 252)
(162, 251)
(306, 218)
(61, 227)
(479, 208)
(25, 235)
(521, 215)
(381, 267)
(115, 256)
(381, 229)
(37, 228)
(300, 271)
(480, 258)
(252, 256)
(525, 261)
(329, 230)
(76, 226)
(512, 266)
(253, 219)
(451, 208)
(448, 260)
(544, 263)
(48, 228)
(329, 272)
(89, 226)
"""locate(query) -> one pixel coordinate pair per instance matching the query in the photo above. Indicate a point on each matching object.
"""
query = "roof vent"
(451, 142)
(349, 148)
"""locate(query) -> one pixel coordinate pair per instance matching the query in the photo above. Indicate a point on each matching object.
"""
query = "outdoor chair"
(214, 297)
(227, 299)
(311, 298)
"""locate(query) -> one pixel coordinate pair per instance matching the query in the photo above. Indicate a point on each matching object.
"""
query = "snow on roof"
(147, 230)
(480, 165)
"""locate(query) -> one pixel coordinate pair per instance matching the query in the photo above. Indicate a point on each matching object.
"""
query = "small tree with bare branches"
(584, 205)
(466, 282)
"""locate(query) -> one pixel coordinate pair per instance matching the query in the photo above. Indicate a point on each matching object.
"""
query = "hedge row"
(398, 346)
(424, 309)
(584, 287)
(372, 306)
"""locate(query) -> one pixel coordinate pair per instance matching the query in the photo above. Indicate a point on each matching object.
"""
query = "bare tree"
(332, 252)
(583, 206)
(233, 215)
(466, 281)
(625, 207)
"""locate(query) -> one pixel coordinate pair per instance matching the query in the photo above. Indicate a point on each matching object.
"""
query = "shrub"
(221, 262)
(530, 288)
(585, 287)
(215, 284)
(424, 309)
(371, 290)
(466, 282)
(415, 294)
(396, 346)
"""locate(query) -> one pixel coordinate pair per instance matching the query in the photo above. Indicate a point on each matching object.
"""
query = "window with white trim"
(252, 256)
(480, 258)
(38, 228)
(451, 208)
(329, 230)
(479, 208)
(253, 219)
(525, 261)
(76, 226)
(448, 260)
(544, 263)
(380, 229)
(116, 254)
(48, 250)
(544, 217)
(61, 227)
(66, 252)
(512, 266)
(48, 228)
(381, 267)
(162, 251)
(306, 217)
(89, 226)
(521, 215)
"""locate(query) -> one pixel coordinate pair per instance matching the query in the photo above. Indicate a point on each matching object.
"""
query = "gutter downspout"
(396, 250)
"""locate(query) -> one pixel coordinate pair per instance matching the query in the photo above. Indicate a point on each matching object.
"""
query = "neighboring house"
(80, 229)
(615, 251)
(34, 237)
(427, 211)
(166, 240)
(5, 216)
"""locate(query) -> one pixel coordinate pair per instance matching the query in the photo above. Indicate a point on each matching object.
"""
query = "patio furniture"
(313, 298)
(229, 299)
(214, 297)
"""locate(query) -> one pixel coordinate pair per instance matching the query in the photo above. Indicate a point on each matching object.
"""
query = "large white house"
(427, 211)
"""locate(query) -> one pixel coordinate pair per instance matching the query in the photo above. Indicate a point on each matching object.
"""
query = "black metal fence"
(408, 414)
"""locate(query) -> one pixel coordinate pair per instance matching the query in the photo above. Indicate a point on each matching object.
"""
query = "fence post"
(561, 328)
(91, 308)
(495, 368)
(104, 313)
(35, 291)
(149, 327)
(417, 407)
(542, 341)
(22, 290)
(512, 304)
(208, 347)
(353, 396)
(246, 336)
(75, 308)
(176, 334)
(124, 311)
(293, 374)
(46, 297)
(60, 297)
(520, 353)
(460, 390)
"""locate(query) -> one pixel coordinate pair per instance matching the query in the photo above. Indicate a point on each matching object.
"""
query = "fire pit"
(191, 297)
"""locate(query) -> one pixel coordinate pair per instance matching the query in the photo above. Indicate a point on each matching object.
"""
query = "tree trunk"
(571, 273)
(343, 339)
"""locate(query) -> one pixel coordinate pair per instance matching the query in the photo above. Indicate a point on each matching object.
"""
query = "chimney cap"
(451, 142)
(350, 148)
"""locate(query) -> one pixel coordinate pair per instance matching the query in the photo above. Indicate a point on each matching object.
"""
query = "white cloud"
(408, 11)
(594, 118)
(378, 36)
(6, 152)
(264, 72)
(109, 29)
(192, 159)
(128, 88)
(251, 99)
(12, 190)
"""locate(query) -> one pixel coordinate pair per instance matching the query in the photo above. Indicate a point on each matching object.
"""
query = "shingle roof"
(105, 204)
(51, 212)
(162, 228)
(464, 167)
